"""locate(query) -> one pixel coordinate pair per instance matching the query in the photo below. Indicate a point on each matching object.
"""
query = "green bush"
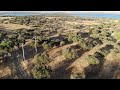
(70, 36)
(84, 45)
(42, 58)
(92, 60)
(117, 36)
(62, 43)
(103, 52)
(46, 46)
(69, 53)
(41, 72)
(6, 45)
(78, 76)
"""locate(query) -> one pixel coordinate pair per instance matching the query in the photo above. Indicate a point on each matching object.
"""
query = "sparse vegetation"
(53, 46)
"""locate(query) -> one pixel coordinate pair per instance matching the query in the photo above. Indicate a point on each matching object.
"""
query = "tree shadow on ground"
(102, 71)
(110, 71)
(62, 71)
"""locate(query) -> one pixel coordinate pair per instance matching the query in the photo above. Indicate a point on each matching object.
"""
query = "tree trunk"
(23, 51)
(35, 44)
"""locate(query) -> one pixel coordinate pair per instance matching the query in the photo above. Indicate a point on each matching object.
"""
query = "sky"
(103, 14)
(68, 12)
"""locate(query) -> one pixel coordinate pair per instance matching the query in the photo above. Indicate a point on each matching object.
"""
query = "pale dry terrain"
(57, 60)
(6, 17)
(13, 26)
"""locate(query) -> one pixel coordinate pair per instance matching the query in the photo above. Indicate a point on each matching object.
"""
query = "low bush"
(69, 53)
(92, 60)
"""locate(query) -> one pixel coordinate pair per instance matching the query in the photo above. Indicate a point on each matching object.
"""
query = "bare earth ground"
(6, 17)
(13, 26)
(83, 22)
(56, 57)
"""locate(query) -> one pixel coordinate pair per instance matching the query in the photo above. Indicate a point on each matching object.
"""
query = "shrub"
(59, 32)
(69, 53)
(46, 46)
(70, 37)
(92, 60)
(77, 38)
(98, 55)
(78, 76)
(117, 36)
(41, 72)
(62, 43)
(6, 45)
(84, 45)
(42, 58)
(103, 52)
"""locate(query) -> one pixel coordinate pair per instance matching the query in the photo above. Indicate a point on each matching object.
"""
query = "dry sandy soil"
(13, 26)
(6, 17)
(82, 22)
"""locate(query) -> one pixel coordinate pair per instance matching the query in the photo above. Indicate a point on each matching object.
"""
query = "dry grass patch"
(5, 72)
(6, 17)
(14, 26)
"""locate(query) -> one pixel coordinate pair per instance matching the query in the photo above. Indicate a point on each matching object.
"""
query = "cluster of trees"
(74, 37)
(84, 44)
(117, 35)
(101, 34)
(40, 70)
(28, 20)
(9, 42)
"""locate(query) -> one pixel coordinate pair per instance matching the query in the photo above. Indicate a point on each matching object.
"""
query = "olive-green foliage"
(84, 45)
(62, 43)
(41, 72)
(39, 38)
(69, 53)
(74, 37)
(116, 49)
(6, 45)
(117, 36)
(46, 46)
(1, 34)
(77, 38)
(92, 60)
(42, 58)
(70, 36)
(77, 26)
(95, 33)
(102, 35)
(78, 76)
(103, 52)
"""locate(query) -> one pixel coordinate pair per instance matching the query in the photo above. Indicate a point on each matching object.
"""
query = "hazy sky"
(70, 12)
